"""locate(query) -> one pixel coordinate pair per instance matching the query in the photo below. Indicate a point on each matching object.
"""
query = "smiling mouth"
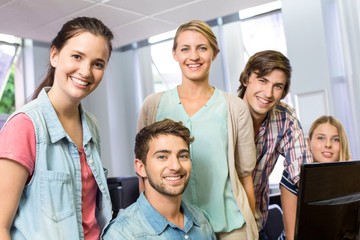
(263, 101)
(327, 154)
(194, 66)
(174, 178)
(79, 82)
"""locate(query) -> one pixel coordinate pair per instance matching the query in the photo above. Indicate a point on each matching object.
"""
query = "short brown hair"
(164, 127)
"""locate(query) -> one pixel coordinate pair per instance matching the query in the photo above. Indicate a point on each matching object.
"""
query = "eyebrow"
(275, 84)
(162, 151)
(199, 45)
(324, 134)
(184, 151)
(168, 151)
(83, 54)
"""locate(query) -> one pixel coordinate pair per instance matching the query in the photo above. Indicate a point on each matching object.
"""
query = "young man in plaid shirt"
(264, 82)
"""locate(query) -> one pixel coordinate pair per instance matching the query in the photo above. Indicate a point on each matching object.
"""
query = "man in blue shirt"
(163, 161)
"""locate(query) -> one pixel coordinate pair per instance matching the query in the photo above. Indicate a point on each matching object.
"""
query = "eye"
(336, 139)
(99, 65)
(262, 80)
(203, 49)
(184, 156)
(76, 56)
(279, 87)
(161, 157)
(320, 138)
(184, 49)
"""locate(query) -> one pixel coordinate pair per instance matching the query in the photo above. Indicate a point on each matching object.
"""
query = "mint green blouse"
(209, 187)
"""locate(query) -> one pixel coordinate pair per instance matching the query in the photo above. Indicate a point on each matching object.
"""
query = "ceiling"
(130, 20)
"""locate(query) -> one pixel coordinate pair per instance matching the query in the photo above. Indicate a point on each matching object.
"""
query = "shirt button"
(101, 187)
(186, 237)
(91, 161)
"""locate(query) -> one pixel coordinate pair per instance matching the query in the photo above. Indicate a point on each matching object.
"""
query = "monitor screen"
(329, 201)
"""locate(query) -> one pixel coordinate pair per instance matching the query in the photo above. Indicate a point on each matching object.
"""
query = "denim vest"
(50, 205)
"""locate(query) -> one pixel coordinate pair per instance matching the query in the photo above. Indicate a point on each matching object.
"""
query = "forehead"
(276, 76)
(87, 42)
(326, 128)
(190, 37)
(167, 142)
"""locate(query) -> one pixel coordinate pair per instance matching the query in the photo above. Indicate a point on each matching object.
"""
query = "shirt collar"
(56, 131)
(159, 222)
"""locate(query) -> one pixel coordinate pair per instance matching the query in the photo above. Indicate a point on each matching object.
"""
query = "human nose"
(174, 163)
(85, 69)
(194, 55)
(268, 90)
(328, 143)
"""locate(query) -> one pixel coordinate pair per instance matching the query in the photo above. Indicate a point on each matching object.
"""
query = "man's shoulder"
(285, 110)
(129, 222)
(131, 213)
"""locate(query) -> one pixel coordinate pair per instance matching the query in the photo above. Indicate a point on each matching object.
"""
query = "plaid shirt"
(280, 133)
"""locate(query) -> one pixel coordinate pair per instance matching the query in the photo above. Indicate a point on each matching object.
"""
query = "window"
(263, 32)
(8, 55)
(166, 71)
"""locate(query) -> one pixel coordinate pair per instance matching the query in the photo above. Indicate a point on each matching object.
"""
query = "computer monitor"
(329, 201)
(124, 191)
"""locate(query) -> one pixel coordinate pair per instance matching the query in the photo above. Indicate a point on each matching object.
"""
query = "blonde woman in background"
(328, 141)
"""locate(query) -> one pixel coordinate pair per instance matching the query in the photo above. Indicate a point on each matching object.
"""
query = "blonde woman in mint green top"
(223, 154)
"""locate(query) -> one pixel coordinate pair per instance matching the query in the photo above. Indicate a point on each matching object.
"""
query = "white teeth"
(263, 101)
(194, 65)
(173, 178)
(78, 81)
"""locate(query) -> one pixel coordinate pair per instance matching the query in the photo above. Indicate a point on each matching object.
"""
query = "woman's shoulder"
(235, 103)
(233, 99)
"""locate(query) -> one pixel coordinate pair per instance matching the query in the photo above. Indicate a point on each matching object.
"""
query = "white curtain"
(347, 79)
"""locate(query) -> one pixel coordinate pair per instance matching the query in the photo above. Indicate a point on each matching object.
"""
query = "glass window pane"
(263, 32)
(8, 53)
(166, 70)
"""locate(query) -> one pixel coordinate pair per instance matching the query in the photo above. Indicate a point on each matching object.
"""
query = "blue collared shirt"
(142, 221)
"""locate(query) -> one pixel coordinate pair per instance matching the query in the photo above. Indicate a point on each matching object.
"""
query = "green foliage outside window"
(7, 102)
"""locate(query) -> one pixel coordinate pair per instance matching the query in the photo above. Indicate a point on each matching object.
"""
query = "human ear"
(54, 55)
(308, 142)
(245, 82)
(174, 55)
(140, 168)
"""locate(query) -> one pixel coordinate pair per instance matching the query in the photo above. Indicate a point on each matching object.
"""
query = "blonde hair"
(202, 28)
(344, 143)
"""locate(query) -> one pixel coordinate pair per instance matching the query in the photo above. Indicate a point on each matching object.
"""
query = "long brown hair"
(71, 29)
